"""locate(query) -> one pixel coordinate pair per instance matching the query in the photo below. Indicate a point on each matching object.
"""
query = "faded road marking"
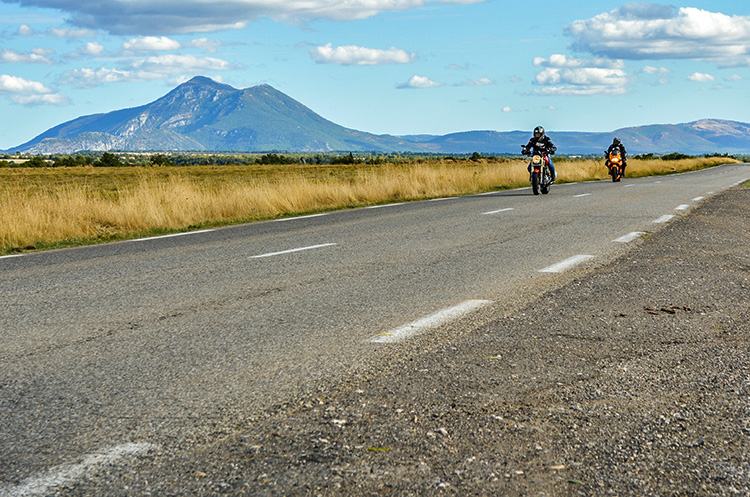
(663, 219)
(432, 321)
(311, 247)
(566, 264)
(62, 475)
(170, 236)
(499, 210)
(298, 217)
(629, 237)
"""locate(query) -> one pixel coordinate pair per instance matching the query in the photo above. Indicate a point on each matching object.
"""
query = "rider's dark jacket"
(541, 145)
(619, 147)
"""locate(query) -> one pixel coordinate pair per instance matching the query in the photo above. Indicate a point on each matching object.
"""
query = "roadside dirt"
(631, 380)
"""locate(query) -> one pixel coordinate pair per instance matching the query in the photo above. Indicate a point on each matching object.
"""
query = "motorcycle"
(614, 163)
(541, 179)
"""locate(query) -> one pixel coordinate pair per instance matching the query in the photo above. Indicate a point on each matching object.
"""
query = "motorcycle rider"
(540, 144)
(617, 145)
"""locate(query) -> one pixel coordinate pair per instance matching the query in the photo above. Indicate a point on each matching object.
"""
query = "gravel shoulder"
(630, 380)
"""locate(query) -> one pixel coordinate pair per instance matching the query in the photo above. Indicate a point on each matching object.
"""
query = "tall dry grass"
(75, 212)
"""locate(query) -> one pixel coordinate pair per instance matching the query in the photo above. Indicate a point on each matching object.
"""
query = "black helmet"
(539, 130)
(616, 141)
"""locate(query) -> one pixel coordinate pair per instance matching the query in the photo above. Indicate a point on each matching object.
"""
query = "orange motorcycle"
(614, 163)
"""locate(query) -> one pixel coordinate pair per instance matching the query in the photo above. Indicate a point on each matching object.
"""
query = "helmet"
(616, 141)
(539, 130)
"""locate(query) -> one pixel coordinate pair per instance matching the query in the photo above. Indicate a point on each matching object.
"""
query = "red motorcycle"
(541, 179)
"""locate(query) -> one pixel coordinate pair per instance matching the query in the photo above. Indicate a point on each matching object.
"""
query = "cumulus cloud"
(656, 70)
(563, 75)
(89, 78)
(178, 64)
(643, 30)
(561, 60)
(149, 17)
(151, 44)
(26, 92)
(36, 56)
(151, 68)
(477, 82)
(360, 56)
(204, 44)
(72, 33)
(701, 77)
(419, 82)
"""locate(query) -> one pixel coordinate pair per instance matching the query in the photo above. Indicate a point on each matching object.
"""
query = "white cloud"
(477, 82)
(701, 77)
(561, 60)
(204, 44)
(89, 78)
(25, 30)
(420, 82)
(507, 109)
(141, 17)
(93, 48)
(26, 92)
(656, 70)
(72, 33)
(149, 69)
(178, 64)
(569, 76)
(352, 55)
(151, 44)
(36, 56)
(649, 31)
(734, 77)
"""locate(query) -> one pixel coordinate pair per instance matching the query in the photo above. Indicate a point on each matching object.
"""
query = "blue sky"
(385, 66)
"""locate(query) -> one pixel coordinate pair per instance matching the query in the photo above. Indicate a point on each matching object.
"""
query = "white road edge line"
(698, 199)
(682, 207)
(384, 205)
(566, 264)
(311, 247)
(629, 237)
(582, 195)
(663, 219)
(499, 210)
(170, 236)
(62, 475)
(431, 321)
(298, 217)
(10, 256)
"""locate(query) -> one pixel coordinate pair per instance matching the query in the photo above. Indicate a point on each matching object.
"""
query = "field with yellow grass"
(43, 208)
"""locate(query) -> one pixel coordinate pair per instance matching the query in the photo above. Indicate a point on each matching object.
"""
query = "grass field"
(43, 208)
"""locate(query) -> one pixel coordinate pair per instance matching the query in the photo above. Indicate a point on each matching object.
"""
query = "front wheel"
(615, 172)
(535, 183)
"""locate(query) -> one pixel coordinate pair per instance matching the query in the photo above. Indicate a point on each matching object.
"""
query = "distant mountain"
(204, 115)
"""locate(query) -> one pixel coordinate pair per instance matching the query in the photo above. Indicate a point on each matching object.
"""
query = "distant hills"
(204, 115)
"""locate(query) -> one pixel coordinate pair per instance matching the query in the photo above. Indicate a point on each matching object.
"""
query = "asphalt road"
(112, 350)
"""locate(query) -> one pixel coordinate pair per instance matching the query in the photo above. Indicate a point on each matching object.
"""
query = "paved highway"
(112, 350)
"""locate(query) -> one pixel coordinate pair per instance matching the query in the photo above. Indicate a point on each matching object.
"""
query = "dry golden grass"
(58, 207)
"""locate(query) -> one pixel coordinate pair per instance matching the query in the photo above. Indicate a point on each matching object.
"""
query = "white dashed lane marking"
(47, 483)
(431, 321)
(290, 251)
(663, 219)
(499, 211)
(566, 264)
(629, 237)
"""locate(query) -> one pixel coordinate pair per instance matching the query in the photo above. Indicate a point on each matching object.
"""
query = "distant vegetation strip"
(52, 207)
